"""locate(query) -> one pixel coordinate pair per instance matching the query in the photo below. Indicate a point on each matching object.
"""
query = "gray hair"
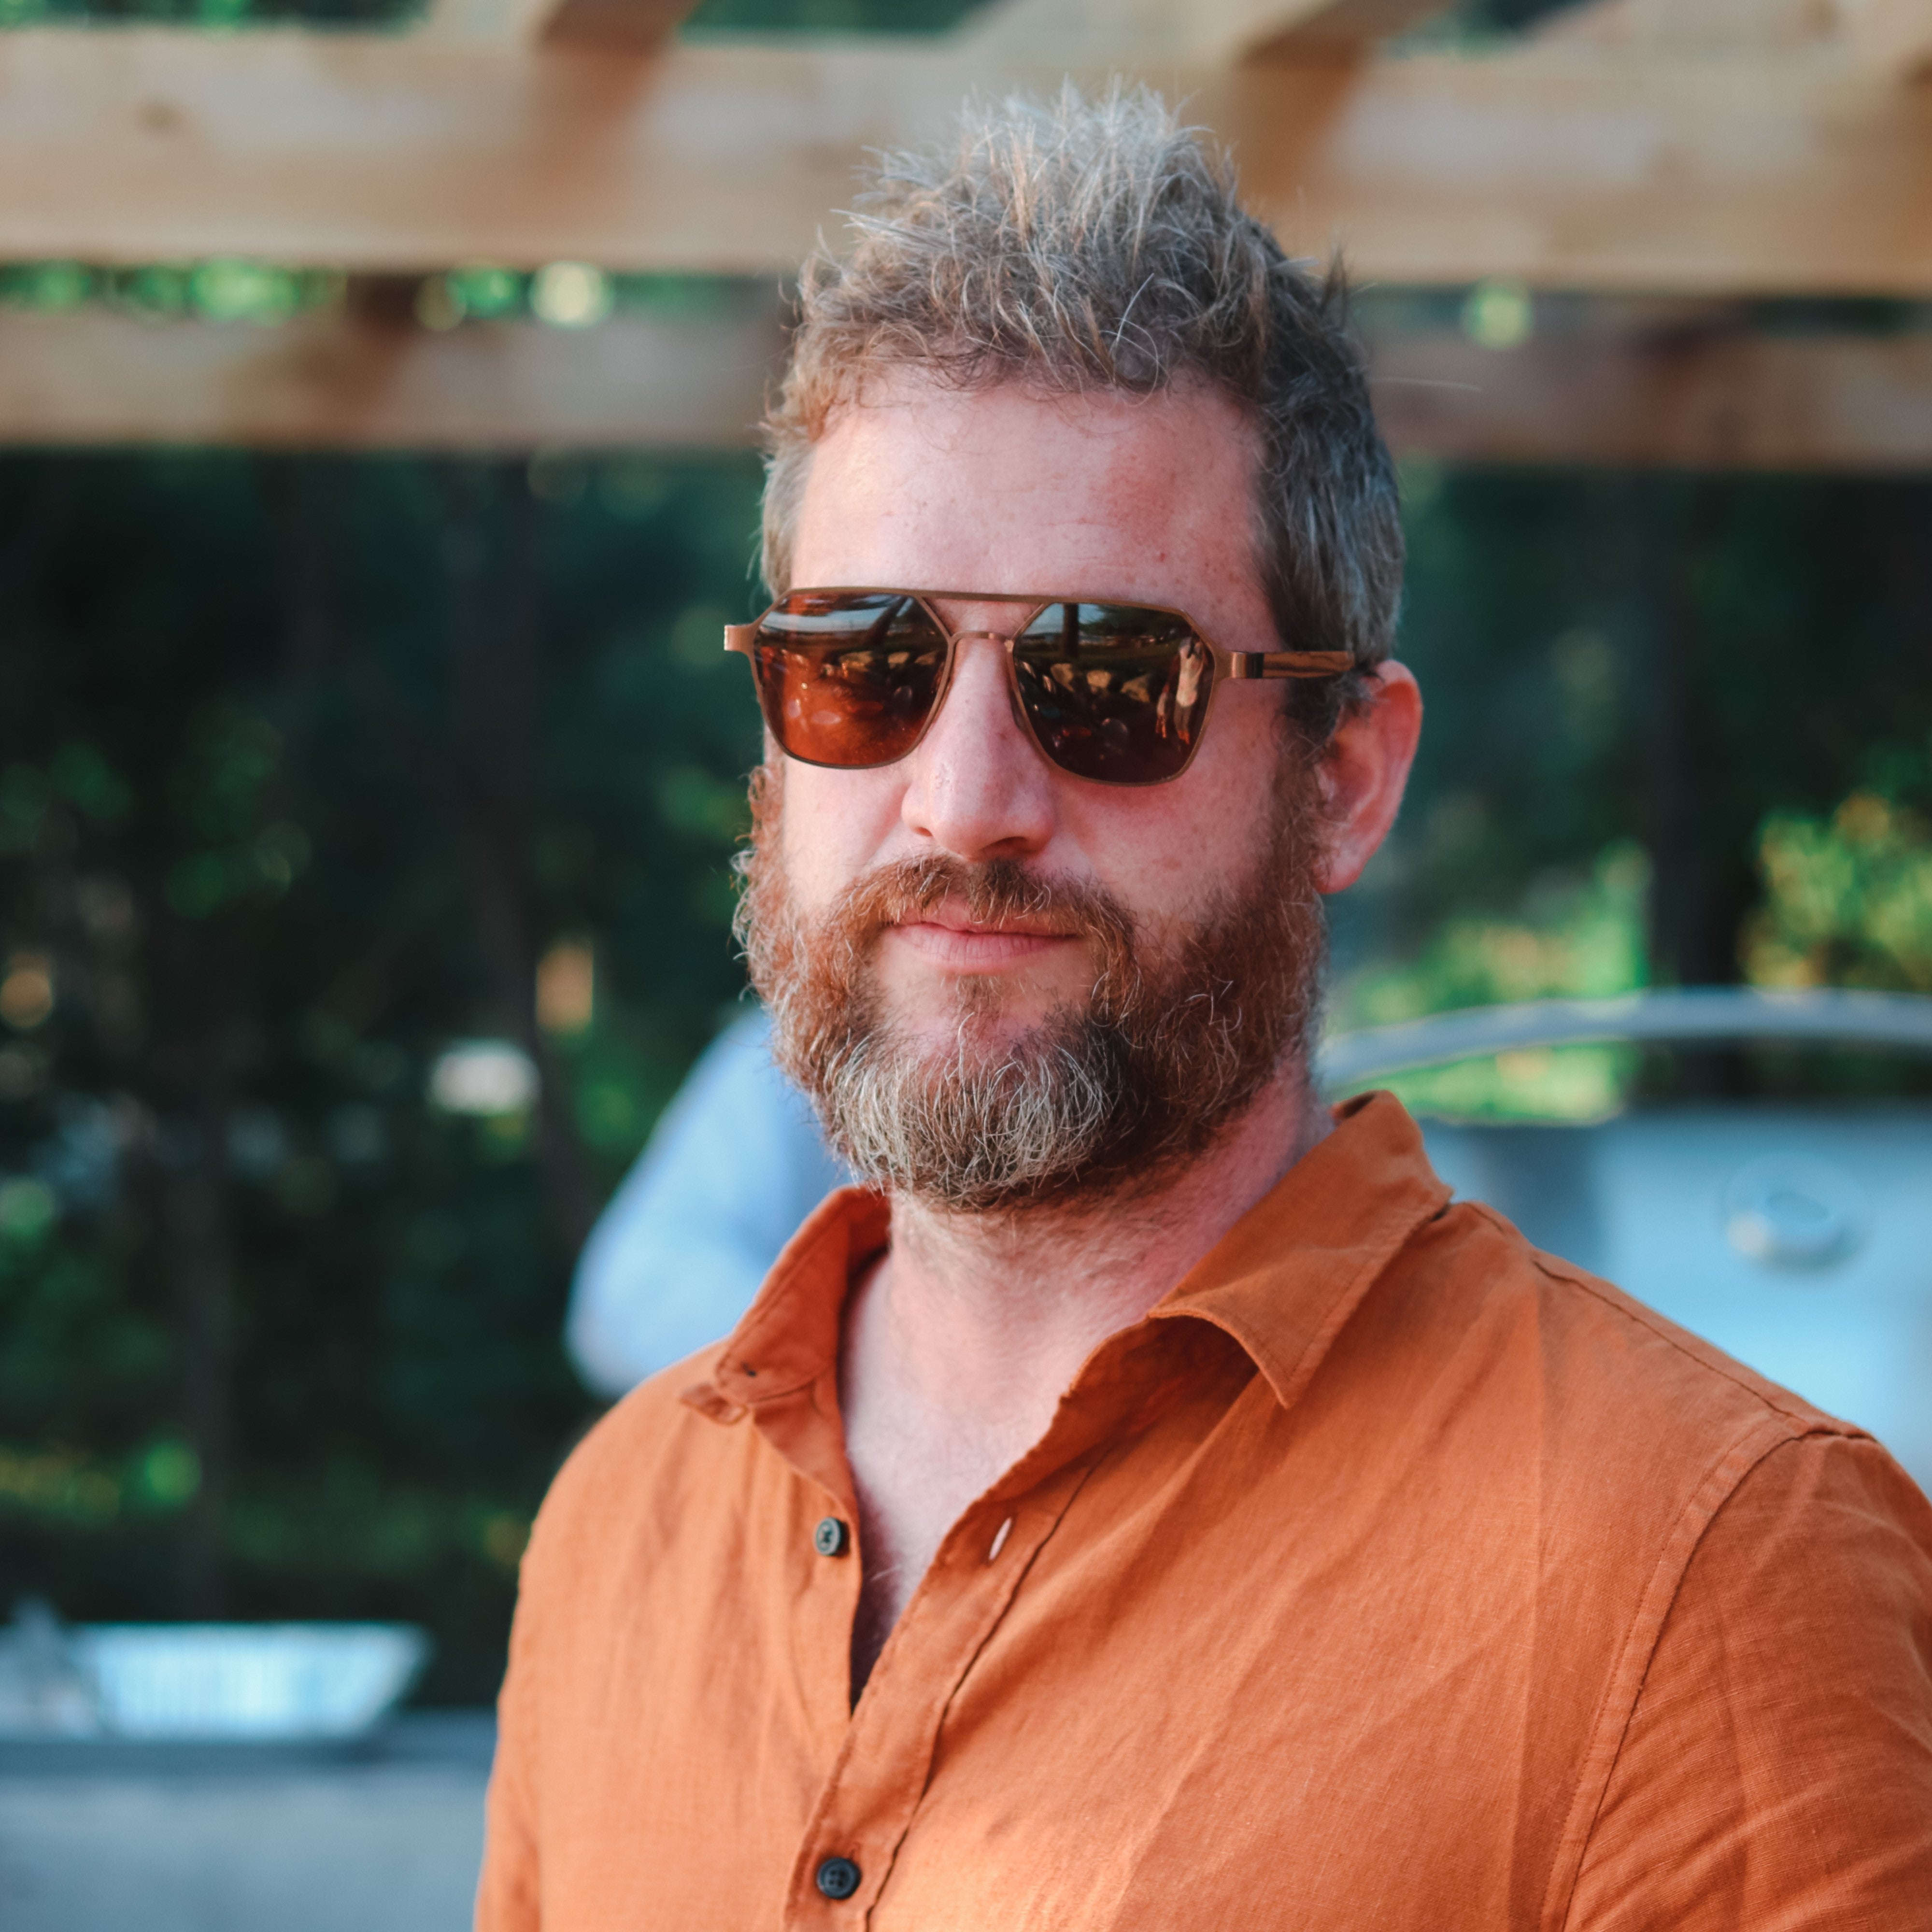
(1099, 243)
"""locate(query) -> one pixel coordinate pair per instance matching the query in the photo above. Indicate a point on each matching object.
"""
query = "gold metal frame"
(1232, 667)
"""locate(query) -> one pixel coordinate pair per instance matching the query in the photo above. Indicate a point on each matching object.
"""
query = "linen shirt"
(1388, 1574)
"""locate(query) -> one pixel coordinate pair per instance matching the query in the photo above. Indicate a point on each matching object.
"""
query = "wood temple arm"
(1290, 664)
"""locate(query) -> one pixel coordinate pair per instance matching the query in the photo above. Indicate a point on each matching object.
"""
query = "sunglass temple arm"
(1290, 663)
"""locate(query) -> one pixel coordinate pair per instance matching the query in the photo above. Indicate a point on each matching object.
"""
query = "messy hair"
(1098, 244)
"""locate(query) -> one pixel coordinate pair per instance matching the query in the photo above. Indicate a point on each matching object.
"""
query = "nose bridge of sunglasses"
(976, 677)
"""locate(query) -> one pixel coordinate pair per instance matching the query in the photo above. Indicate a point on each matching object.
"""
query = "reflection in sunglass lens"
(848, 680)
(1113, 692)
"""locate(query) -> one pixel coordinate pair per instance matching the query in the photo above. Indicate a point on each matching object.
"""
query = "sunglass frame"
(1230, 666)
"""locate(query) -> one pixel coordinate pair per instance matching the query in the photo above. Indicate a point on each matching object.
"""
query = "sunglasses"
(1118, 693)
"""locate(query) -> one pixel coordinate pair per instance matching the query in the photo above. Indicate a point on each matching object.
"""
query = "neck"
(994, 1313)
(958, 1344)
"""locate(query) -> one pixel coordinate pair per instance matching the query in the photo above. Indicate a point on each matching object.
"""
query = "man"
(1150, 1504)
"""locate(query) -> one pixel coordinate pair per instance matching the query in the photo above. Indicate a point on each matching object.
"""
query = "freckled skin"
(958, 1344)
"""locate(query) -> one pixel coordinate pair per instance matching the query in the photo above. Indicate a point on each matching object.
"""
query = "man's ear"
(1364, 772)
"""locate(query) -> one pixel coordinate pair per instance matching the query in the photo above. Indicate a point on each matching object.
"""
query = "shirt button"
(832, 1538)
(838, 1878)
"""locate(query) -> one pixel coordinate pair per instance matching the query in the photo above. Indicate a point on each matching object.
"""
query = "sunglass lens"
(1113, 692)
(848, 680)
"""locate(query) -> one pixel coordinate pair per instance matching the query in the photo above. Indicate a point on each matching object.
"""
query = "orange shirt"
(1389, 1574)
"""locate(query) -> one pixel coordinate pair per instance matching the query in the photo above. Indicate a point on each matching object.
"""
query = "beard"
(1177, 1036)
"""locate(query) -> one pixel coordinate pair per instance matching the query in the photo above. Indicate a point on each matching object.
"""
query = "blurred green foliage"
(227, 289)
(821, 16)
(1467, 22)
(736, 16)
(1638, 687)
(303, 764)
(220, 289)
(216, 16)
(1848, 898)
(1574, 938)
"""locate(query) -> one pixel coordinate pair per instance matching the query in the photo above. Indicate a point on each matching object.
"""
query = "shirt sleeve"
(509, 1897)
(1776, 1773)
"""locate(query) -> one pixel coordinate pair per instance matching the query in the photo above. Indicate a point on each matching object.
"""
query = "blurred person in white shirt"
(731, 1171)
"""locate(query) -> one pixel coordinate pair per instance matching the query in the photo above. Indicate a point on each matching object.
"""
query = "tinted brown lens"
(848, 680)
(1113, 692)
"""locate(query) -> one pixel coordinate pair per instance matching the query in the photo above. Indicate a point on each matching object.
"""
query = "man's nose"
(978, 788)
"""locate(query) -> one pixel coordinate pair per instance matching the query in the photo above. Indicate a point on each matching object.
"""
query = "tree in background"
(304, 767)
(1632, 682)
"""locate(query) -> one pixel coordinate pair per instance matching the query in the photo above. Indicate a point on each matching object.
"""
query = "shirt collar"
(1285, 1277)
(1281, 1282)
(789, 1335)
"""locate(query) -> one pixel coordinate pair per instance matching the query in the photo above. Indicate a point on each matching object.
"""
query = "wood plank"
(1671, 395)
(1206, 33)
(1796, 173)
(1893, 36)
(1792, 174)
(1697, 26)
(352, 379)
(1649, 385)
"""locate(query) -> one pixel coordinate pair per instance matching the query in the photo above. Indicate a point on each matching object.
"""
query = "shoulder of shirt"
(1607, 1347)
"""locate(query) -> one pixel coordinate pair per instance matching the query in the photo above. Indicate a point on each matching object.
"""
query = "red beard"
(1173, 1043)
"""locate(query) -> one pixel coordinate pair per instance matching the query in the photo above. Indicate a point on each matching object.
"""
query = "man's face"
(1003, 982)
(1146, 499)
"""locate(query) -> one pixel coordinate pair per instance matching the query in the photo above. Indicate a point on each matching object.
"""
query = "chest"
(1181, 1690)
(913, 1482)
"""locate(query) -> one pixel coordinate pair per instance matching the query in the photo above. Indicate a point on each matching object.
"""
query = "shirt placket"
(883, 1761)
(881, 1769)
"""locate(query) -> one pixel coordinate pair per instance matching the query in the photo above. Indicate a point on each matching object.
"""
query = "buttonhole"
(1000, 1540)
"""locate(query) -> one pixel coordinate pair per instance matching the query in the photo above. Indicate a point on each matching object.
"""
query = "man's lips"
(963, 945)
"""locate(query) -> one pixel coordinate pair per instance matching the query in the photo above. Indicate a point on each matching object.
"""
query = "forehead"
(1004, 489)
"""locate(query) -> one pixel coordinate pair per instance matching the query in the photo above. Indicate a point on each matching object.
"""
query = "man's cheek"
(821, 857)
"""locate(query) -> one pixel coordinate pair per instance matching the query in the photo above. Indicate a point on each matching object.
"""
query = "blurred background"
(369, 769)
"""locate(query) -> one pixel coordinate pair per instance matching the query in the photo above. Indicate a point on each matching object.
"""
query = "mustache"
(995, 892)
(1186, 1019)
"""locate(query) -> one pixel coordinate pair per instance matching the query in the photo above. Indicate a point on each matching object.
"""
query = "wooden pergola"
(1663, 167)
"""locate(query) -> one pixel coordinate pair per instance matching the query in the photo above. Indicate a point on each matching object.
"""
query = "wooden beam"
(368, 378)
(1643, 385)
(1671, 392)
(1799, 173)
(1203, 33)
(1894, 37)
(1774, 175)
(1695, 26)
